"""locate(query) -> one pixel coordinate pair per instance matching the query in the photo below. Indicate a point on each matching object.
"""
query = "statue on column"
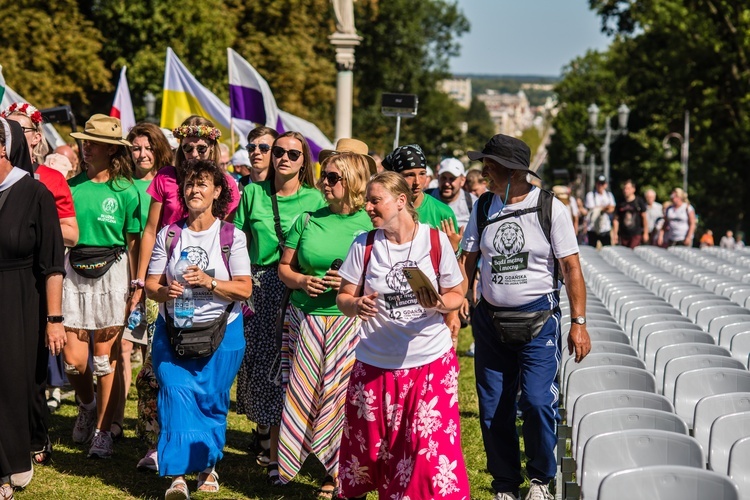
(344, 11)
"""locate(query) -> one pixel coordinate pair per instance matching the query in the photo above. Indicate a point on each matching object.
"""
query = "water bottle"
(136, 317)
(184, 306)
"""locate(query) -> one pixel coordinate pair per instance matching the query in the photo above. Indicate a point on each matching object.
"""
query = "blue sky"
(526, 37)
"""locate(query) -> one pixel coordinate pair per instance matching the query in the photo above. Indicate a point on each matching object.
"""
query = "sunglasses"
(264, 148)
(188, 148)
(293, 154)
(332, 178)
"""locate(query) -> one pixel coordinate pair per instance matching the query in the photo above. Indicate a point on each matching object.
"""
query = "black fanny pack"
(199, 341)
(518, 328)
(93, 262)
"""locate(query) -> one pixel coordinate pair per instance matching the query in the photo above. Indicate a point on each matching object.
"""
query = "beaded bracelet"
(137, 284)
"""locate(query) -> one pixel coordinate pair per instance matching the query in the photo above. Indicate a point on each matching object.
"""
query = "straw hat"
(102, 128)
(350, 146)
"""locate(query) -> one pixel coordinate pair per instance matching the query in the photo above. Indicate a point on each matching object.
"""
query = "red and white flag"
(122, 108)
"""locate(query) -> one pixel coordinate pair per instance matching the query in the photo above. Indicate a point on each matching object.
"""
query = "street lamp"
(684, 149)
(592, 166)
(623, 113)
(150, 100)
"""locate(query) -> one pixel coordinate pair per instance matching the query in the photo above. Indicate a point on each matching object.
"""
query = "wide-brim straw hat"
(350, 146)
(102, 128)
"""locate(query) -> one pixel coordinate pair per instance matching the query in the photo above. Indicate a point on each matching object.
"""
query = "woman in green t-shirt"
(316, 366)
(267, 210)
(94, 304)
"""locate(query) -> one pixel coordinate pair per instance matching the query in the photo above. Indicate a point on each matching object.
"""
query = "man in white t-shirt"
(600, 204)
(450, 190)
(519, 259)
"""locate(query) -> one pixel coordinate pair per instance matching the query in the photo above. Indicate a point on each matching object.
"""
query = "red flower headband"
(26, 109)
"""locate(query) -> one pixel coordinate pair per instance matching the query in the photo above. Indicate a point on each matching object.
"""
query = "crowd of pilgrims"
(81, 248)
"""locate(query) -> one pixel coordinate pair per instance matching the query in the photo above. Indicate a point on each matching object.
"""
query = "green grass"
(72, 476)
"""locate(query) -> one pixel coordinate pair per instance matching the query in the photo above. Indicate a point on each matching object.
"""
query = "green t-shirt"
(106, 211)
(326, 237)
(433, 211)
(255, 217)
(141, 186)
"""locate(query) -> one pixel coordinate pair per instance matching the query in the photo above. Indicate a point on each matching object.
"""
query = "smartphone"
(417, 279)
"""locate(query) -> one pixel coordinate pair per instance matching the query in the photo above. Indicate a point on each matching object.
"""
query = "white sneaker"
(539, 491)
(504, 496)
(470, 353)
(83, 430)
(101, 445)
(21, 480)
(149, 462)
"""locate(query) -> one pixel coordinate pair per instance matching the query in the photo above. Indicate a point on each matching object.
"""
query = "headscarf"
(16, 145)
(405, 158)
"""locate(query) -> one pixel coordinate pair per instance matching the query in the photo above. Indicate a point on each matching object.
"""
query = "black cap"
(601, 179)
(507, 151)
(405, 158)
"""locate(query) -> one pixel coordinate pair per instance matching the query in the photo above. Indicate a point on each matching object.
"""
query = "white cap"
(241, 158)
(452, 166)
(171, 139)
(430, 173)
(59, 163)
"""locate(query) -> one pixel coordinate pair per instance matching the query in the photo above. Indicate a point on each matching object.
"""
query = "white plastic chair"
(677, 366)
(671, 351)
(739, 465)
(657, 340)
(668, 482)
(704, 315)
(725, 431)
(599, 359)
(710, 408)
(740, 347)
(727, 332)
(693, 385)
(604, 378)
(638, 339)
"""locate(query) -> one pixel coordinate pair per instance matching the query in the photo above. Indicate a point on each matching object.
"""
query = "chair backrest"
(739, 465)
(706, 314)
(599, 359)
(598, 334)
(728, 331)
(604, 378)
(667, 482)
(685, 327)
(648, 319)
(725, 431)
(710, 408)
(740, 296)
(694, 307)
(675, 367)
(628, 321)
(619, 419)
(716, 324)
(740, 347)
(618, 398)
(657, 340)
(623, 306)
(599, 347)
(671, 351)
(693, 385)
(616, 451)
(670, 323)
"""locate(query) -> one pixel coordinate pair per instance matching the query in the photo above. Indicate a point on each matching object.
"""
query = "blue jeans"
(500, 369)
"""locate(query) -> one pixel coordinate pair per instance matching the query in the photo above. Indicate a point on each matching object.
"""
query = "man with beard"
(450, 190)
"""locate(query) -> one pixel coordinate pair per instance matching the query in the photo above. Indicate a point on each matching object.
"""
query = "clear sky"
(526, 37)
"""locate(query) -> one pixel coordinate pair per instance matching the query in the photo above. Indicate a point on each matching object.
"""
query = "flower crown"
(184, 131)
(24, 108)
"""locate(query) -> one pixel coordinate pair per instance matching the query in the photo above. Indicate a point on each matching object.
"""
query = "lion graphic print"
(402, 303)
(509, 242)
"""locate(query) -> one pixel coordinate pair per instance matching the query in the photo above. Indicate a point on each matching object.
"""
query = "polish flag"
(122, 108)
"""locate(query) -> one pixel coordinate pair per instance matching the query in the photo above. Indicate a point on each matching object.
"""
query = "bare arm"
(644, 218)
(55, 332)
(238, 288)
(69, 227)
(691, 229)
(352, 305)
(615, 230)
(289, 274)
(146, 248)
(578, 338)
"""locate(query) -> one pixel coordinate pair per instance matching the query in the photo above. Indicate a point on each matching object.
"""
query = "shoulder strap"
(226, 238)
(467, 197)
(436, 251)
(483, 211)
(368, 253)
(545, 220)
(173, 236)
(277, 217)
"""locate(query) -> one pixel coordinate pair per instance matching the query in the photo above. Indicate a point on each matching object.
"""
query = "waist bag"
(516, 327)
(199, 341)
(93, 262)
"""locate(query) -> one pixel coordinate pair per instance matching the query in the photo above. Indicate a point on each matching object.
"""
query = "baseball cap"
(241, 157)
(452, 166)
(601, 179)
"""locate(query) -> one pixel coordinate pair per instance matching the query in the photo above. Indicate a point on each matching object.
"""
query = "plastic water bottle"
(184, 306)
(136, 317)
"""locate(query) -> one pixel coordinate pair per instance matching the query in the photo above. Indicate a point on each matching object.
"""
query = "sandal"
(273, 474)
(116, 431)
(256, 441)
(6, 492)
(178, 491)
(263, 458)
(43, 456)
(327, 490)
(211, 483)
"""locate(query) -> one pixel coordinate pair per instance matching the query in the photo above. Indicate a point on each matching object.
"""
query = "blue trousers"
(500, 370)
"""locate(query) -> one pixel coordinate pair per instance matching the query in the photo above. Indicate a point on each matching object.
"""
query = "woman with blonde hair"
(402, 429)
(679, 221)
(320, 339)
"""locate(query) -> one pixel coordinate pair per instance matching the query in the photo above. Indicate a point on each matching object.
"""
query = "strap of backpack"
(366, 259)
(545, 220)
(435, 251)
(469, 203)
(173, 236)
(226, 238)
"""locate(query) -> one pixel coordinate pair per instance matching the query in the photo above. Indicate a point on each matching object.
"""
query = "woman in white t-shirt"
(679, 221)
(194, 393)
(402, 435)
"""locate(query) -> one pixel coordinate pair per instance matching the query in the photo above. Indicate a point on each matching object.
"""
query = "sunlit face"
(196, 147)
(285, 166)
(676, 200)
(380, 204)
(143, 155)
(650, 197)
(260, 159)
(200, 193)
(628, 189)
(33, 136)
(332, 184)
(417, 179)
(97, 153)
(497, 174)
(450, 185)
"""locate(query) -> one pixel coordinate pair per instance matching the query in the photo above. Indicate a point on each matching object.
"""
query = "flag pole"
(231, 131)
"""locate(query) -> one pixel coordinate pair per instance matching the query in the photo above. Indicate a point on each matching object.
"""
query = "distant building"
(459, 89)
(511, 113)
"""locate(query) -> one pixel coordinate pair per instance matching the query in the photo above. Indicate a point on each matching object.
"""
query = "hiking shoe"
(149, 462)
(505, 495)
(538, 491)
(83, 430)
(470, 353)
(21, 480)
(101, 445)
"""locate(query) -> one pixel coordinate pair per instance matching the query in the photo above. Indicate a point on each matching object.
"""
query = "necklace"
(388, 249)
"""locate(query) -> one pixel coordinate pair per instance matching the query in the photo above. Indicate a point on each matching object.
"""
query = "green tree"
(480, 126)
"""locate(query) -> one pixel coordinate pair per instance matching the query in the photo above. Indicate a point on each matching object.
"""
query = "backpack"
(543, 210)
(226, 238)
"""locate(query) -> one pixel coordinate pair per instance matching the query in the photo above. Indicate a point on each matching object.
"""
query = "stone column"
(344, 44)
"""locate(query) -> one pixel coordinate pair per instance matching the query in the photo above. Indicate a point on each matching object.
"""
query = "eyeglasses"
(264, 148)
(332, 178)
(28, 129)
(293, 154)
(188, 149)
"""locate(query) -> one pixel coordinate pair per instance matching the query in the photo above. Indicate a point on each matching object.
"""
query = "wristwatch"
(214, 284)
(579, 320)
(55, 319)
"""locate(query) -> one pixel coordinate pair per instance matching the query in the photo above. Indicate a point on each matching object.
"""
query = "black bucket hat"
(507, 151)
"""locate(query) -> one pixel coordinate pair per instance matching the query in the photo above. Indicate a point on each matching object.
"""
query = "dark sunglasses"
(332, 178)
(293, 154)
(264, 148)
(188, 148)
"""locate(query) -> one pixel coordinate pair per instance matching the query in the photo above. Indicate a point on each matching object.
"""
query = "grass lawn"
(72, 476)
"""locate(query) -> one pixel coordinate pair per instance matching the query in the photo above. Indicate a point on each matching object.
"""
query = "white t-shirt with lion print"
(517, 264)
(402, 334)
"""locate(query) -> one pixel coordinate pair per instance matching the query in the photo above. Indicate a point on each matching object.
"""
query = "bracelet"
(137, 284)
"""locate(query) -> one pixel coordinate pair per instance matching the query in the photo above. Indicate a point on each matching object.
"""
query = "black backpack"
(543, 210)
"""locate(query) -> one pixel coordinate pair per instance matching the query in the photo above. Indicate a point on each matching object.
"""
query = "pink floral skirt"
(402, 434)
